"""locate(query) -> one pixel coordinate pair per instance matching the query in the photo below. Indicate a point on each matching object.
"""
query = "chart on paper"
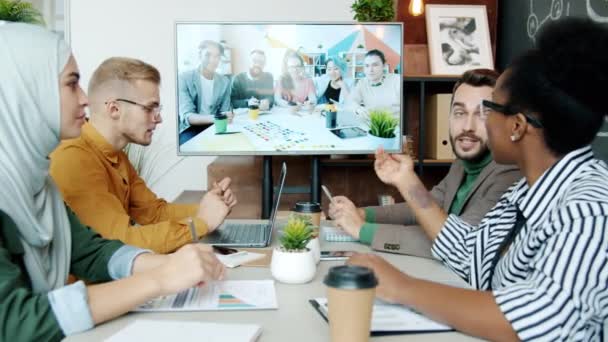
(219, 295)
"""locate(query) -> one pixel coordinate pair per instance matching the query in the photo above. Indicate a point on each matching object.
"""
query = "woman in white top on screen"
(332, 87)
(538, 261)
(377, 90)
(294, 89)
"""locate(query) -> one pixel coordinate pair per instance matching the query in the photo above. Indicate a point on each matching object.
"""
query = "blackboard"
(600, 145)
(520, 20)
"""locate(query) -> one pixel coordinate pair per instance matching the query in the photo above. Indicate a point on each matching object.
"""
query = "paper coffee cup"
(310, 209)
(254, 112)
(221, 123)
(350, 298)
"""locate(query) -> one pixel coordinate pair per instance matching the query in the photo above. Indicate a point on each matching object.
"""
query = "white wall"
(144, 29)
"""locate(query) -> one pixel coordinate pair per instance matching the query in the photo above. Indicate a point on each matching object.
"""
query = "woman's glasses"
(508, 110)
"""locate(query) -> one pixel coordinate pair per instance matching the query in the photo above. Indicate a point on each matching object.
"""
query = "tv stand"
(268, 185)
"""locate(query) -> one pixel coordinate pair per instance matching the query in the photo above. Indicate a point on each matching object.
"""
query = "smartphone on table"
(336, 255)
(224, 250)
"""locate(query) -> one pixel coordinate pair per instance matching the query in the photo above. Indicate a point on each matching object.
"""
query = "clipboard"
(413, 322)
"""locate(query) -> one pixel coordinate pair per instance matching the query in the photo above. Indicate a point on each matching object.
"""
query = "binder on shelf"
(437, 127)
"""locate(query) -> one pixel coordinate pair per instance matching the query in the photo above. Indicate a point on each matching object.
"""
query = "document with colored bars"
(218, 295)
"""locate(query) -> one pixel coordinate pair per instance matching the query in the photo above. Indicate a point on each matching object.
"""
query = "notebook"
(227, 295)
(333, 234)
(239, 234)
(162, 331)
(390, 319)
(239, 258)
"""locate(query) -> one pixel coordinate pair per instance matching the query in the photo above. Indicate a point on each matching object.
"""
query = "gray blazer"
(191, 100)
(397, 230)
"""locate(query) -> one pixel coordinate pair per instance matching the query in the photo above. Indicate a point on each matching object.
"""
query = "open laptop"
(244, 233)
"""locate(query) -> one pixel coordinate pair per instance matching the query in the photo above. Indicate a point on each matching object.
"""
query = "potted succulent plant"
(382, 126)
(293, 262)
(373, 10)
(314, 245)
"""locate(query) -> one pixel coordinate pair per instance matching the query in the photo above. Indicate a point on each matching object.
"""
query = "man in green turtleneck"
(471, 188)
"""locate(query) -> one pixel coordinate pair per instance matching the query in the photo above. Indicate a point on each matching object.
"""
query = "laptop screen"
(275, 205)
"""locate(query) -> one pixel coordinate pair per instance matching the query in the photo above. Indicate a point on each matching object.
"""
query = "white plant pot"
(315, 249)
(386, 143)
(293, 267)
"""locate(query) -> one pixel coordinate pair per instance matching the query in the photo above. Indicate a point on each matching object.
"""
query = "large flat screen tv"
(288, 88)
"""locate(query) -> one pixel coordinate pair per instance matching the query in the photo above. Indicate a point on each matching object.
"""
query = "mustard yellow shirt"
(104, 190)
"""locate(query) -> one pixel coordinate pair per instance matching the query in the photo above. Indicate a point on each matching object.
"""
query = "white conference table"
(282, 130)
(295, 320)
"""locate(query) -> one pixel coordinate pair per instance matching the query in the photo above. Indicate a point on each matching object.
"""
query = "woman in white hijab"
(41, 241)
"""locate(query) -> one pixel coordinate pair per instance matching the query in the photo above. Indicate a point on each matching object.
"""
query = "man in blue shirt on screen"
(253, 87)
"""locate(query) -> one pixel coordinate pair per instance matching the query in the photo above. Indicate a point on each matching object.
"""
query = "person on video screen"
(378, 89)
(253, 87)
(202, 92)
(332, 87)
(295, 88)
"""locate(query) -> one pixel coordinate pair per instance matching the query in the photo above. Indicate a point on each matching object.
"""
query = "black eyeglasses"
(154, 110)
(510, 110)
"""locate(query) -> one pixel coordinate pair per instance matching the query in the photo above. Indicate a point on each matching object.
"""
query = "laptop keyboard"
(241, 233)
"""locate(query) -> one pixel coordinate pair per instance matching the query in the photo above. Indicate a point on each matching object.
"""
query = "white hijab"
(31, 60)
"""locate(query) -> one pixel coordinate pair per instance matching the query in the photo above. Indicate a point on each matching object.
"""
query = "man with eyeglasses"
(102, 187)
(472, 186)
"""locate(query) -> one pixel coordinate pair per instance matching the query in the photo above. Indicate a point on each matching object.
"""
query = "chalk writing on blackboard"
(534, 18)
(597, 10)
(593, 14)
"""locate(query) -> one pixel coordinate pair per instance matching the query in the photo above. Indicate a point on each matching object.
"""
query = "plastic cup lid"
(307, 207)
(350, 277)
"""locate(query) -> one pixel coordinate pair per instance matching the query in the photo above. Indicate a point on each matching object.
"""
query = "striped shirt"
(552, 283)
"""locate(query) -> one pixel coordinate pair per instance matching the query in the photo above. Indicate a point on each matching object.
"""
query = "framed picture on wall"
(458, 38)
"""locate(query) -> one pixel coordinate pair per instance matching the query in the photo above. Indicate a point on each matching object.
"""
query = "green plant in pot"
(373, 10)
(313, 244)
(293, 262)
(20, 11)
(382, 126)
(382, 123)
(296, 234)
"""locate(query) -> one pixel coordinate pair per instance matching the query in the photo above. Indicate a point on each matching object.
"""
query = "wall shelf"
(423, 86)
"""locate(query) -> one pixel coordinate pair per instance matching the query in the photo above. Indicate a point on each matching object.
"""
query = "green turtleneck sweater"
(471, 172)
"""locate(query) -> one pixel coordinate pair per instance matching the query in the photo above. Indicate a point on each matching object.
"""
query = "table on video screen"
(282, 130)
(295, 320)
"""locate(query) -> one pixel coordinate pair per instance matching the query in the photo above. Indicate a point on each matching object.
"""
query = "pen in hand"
(328, 194)
(193, 230)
